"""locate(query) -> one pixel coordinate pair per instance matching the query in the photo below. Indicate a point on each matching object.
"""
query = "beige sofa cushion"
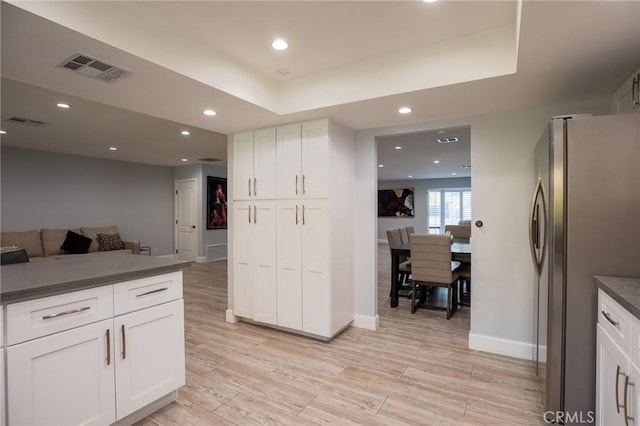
(29, 240)
(52, 239)
(93, 234)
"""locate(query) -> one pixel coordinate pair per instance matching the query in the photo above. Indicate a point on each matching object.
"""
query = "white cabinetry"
(254, 260)
(310, 242)
(70, 361)
(253, 156)
(617, 393)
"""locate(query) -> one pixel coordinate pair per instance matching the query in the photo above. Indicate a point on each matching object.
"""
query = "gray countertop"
(625, 291)
(47, 277)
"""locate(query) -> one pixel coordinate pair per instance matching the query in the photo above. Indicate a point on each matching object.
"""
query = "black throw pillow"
(76, 243)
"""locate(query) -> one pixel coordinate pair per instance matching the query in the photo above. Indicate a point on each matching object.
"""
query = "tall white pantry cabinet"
(292, 227)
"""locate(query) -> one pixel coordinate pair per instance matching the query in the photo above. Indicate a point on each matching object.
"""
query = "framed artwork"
(216, 203)
(395, 202)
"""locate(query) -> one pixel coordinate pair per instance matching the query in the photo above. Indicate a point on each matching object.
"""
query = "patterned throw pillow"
(108, 242)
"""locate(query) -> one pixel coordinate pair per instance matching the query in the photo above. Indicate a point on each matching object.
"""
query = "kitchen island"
(91, 339)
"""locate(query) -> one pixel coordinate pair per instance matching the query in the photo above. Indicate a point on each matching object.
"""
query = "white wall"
(420, 188)
(502, 156)
(49, 190)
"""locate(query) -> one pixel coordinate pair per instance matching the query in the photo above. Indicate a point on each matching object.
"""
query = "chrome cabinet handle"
(124, 343)
(108, 347)
(255, 214)
(249, 214)
(635, 92)
(296, 214)
(303, 221)
(255, 190)
(304, 190)
(69, 312)
(249, 187)
(158, 290)
(625, 409)
(618, 374)
(296, 184)
(608, 318)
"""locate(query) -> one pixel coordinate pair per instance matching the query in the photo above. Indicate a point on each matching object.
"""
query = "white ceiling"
(415, 159)
(356, 62)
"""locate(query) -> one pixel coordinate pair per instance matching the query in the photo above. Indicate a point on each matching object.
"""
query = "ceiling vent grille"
(448, 140)
(90, 67)
(209, 159)
(26, 121)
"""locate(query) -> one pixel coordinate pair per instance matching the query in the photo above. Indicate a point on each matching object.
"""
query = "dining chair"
(394, 239)
(464, 283)
(431, 266)
(404, 235)
(459, 232)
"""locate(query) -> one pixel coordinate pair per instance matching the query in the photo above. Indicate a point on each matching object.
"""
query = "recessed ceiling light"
(380, 165)
(398, 147)
(184, 159)
(185, 133)
(410, 176)
(454, 174)
(113, 148)
(64, 106)
(429, 1)
(209, 112)
(405, 110)
(436, 161)
(442, 132)
(3, 132)
(279, 44)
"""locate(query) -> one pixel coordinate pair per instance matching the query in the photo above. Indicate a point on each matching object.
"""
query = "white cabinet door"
(289, 246)
(63, 379)
(611, 371)
(264, 164)
(243, 166)
(315, 159)
(149, 354)
(243, 259)
(2, 385)
(289, 149)
(316, 292)
(264, 261)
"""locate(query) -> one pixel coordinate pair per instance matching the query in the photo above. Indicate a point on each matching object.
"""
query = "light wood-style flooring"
(414, 370)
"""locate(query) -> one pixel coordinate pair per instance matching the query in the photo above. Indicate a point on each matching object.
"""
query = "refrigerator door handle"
(534, 227)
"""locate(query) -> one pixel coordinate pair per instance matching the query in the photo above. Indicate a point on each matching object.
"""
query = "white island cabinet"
(618, 375)
(293, 250)
(95, 356)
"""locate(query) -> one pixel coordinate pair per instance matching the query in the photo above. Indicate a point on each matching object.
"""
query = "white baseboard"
(201, 259)
(382, 241)
(366, 321)
(514, 348)
(230, 317)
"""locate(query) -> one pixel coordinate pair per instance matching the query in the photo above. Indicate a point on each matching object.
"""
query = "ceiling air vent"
(90, 67)
(209, 159)
(448, 140)
(26, 121)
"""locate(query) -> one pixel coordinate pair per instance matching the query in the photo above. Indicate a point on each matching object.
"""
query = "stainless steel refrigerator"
(585, 221)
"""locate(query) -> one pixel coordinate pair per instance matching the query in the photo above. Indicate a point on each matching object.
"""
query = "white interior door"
(186, 218)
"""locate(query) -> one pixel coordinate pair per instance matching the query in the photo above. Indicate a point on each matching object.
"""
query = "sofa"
(46, 243)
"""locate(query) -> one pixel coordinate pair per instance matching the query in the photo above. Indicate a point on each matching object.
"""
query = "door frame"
(195, 206)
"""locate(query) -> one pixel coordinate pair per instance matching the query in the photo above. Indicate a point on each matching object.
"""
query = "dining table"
(458, 248)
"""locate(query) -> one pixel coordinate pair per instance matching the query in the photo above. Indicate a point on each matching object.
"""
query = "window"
(447, 207)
